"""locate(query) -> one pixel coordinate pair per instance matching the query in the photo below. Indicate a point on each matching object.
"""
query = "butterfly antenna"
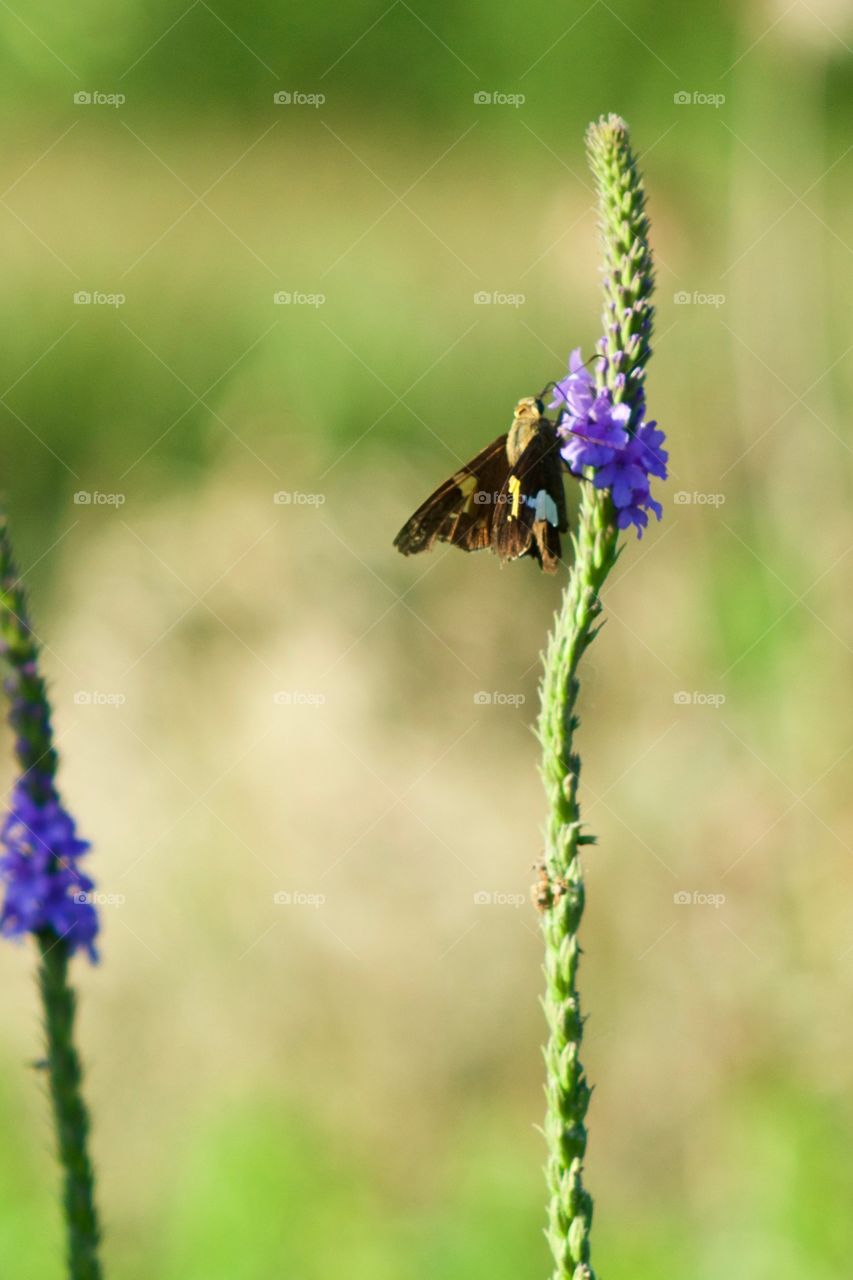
(555, 382)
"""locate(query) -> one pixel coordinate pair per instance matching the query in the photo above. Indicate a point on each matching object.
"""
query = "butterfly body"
(508, 498)
(527, 421)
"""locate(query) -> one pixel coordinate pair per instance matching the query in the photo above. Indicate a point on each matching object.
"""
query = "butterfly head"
(530, 408)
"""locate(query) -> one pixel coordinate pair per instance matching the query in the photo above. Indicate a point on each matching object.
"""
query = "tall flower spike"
(47, 896)
(602, 417)
(616, 389)
(629, 278)
(45, 891)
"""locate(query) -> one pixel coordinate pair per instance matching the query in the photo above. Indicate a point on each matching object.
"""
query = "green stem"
(561, 891)
(627, 322)
(69, 1110)
(29, 716)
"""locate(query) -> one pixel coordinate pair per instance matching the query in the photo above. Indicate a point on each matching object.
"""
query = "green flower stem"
(560, 892)
(69, 1110)
(30, 720)
(29, 713)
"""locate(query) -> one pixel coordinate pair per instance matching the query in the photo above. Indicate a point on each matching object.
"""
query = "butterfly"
(508, 498)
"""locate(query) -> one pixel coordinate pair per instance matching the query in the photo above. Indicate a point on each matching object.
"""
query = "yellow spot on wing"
(515, 490)
(467, 485)
(466, 482)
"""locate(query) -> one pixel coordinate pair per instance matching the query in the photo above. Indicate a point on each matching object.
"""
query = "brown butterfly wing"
(532, 511)
(460, 511)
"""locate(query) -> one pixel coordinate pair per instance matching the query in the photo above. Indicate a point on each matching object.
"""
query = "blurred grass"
(257, 1190)
(277, 1090)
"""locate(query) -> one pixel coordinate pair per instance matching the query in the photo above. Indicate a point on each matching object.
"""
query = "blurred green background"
(257, 698)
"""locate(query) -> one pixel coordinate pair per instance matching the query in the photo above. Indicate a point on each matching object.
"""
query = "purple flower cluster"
(45, 888)
(596, 433)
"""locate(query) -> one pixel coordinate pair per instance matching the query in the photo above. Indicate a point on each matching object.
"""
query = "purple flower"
(597, 434)
(627, 476)
(590, 424)
(45, 888)
(576, 392)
